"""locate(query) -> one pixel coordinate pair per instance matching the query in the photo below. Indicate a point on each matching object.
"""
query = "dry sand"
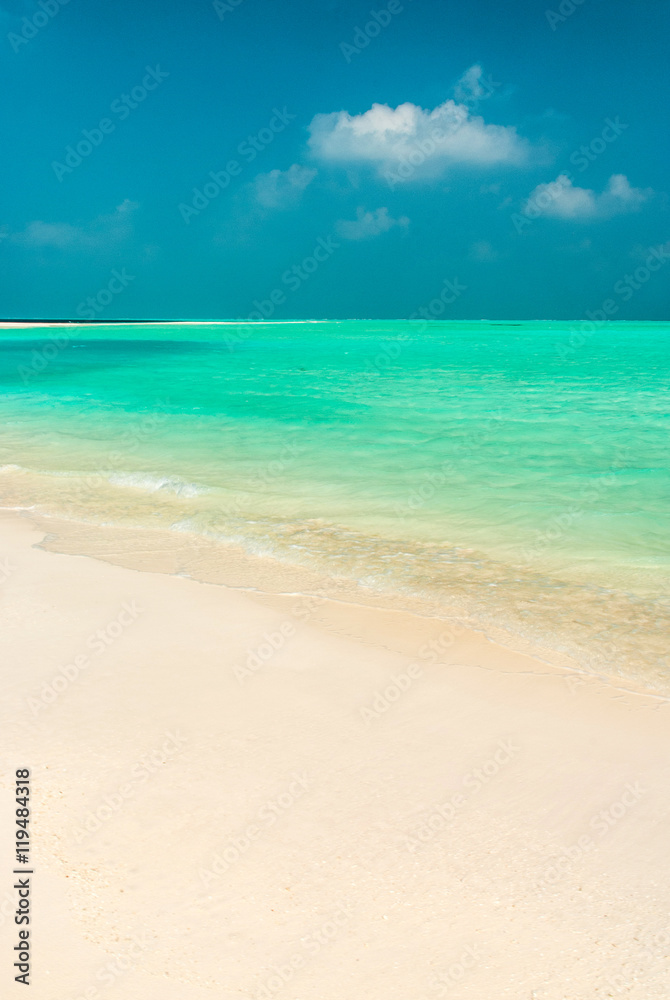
(356, 817)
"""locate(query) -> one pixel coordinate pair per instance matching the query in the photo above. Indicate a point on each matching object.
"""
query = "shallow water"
(515, 469)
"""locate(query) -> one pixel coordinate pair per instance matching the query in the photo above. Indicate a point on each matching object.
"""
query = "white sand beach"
(238, 794)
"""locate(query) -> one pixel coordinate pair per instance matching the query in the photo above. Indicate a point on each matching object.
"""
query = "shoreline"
(213, 561)
(224, 772)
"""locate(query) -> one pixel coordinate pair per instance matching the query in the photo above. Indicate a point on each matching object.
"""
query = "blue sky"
(320, 159)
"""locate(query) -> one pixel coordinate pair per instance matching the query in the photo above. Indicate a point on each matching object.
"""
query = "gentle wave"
(143, 481)
(156, 484)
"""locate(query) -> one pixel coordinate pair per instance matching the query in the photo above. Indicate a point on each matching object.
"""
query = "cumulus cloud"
(562, 200)
(429, 141)
(366, 225)
(102, 231)
(283, 188)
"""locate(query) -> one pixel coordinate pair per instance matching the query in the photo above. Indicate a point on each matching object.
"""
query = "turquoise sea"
(517, 471)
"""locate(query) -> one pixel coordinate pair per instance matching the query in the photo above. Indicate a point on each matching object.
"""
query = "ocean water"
(519, 472)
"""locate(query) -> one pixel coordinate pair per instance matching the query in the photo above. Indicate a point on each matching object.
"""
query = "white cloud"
(368, 224)
(562, 200)
(469, 88)
(429, 141)
(283, 188)
(619, 196)
(103, 230)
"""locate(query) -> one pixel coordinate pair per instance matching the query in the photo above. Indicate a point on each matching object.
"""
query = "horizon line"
(9, 323)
